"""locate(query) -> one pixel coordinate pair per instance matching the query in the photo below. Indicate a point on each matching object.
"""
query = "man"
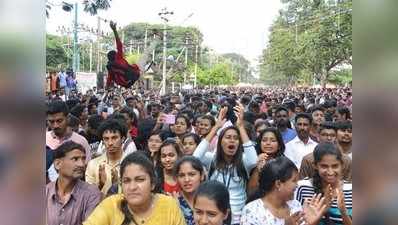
(116, 105)
(103, 171)
(302, 144)
(92, 136)
(119, 70)
(57, 113)
(318, 117)
(62, 81)
(328, 133)
(282, 122)
(344, 137)
(290, 105)
(132, 102)
(69, 199)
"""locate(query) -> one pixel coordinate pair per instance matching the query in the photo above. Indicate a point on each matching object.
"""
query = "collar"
(298, 140)
(53, 189)
(104, 159)
(66, 137)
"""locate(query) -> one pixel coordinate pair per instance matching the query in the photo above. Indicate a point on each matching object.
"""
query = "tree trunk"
(324, 76)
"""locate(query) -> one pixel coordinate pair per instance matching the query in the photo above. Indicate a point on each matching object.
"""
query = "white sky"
(227, 25)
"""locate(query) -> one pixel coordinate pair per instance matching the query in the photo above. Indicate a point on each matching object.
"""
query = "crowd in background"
(205, 156)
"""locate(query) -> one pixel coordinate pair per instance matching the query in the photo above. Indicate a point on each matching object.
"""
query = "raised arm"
(119, 44)
(249, 154)
(203, 146)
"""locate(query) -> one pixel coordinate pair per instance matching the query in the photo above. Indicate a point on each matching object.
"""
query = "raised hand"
(112, 25)
(340, 201)
(261, 160)
(314, 208)
(114, 175)
(239, 112)
(102, 176)
(295, 219)
(329, 192)
(221, 117)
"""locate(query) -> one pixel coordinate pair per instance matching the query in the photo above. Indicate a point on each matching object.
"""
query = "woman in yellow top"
(137, 204)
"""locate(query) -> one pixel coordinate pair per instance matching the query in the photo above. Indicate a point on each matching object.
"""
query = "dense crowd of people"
(209, 156)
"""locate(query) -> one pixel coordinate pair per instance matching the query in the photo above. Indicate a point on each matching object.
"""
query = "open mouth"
(188, 186)
(231, 147)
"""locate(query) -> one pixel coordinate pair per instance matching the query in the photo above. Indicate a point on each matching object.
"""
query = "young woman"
(189, 174)
(211, 204)
(131, 120)
(155, 140)
(205, 124)
(182, 126)
(275, 205)
(233, 160)
(261, 125)
(269, 146)
(169, 153)
(189, 143)
(327, 180)
(137, 204)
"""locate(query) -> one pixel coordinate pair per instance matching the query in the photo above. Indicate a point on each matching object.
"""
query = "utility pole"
(91, 56)
(163, 15)
(131, 46)
(196, 64)
(146, 38)
(153, 52)
(75, 50)
(98, 43)
(186, 59)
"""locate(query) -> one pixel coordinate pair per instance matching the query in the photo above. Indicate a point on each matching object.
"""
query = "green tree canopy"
(308, 40)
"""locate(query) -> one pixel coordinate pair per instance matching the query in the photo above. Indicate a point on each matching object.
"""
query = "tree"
(240, 66)
(308, 39)
(56, 53)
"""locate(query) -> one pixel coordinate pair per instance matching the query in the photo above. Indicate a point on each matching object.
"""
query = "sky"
(228, 26)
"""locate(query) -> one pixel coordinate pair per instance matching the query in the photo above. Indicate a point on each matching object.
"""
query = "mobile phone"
(170, 119)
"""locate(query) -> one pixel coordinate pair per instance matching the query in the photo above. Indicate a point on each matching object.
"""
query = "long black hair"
(217, 192)
(279, 139)
(280, 168)
(137, 158)
(159, 166)
(319, 152)
(237, 161)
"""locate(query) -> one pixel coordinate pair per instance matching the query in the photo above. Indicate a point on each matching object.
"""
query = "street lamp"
(68, 7)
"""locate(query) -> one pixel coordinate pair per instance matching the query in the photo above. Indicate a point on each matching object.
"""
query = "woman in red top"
(169, 153)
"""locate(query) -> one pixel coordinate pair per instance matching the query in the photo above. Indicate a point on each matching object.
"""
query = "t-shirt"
(186, 210)
(62, 79)
(166, 212)
(171, 188)
(255, 213)
(306, 190)
(288, 135)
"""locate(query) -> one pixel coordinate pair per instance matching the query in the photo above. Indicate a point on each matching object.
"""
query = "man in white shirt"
(302, 144)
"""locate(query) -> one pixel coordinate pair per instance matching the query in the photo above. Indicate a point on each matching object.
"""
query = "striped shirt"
(305, 190)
